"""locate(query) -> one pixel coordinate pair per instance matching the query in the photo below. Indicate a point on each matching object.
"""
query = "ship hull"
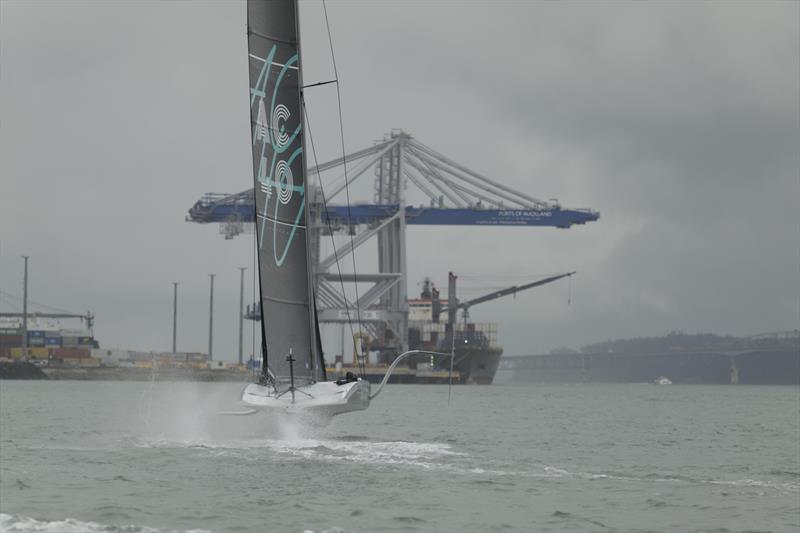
(472, 365)
(323, 399)
(477, 365)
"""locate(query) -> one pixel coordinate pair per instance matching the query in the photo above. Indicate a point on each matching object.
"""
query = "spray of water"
(145, 399)
(190, 414)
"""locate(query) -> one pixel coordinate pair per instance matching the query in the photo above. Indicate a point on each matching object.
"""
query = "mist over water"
(102, 456)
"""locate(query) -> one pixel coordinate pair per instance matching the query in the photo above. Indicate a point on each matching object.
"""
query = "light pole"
(241, 311)
(174, 316)
(25, 311)
(211, 320)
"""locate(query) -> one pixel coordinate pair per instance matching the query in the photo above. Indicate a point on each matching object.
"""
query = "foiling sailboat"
(293, 377)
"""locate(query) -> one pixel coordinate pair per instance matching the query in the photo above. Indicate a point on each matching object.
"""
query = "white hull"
(324, 399)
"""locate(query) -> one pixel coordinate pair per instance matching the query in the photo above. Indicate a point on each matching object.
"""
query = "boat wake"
(361, 450)
(553, 472)
(18, 523)
(431, 456)
(425, 455)
(428, 456)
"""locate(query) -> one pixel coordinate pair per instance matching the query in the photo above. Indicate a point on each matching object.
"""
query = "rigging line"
(50, 307)
(13, 296)
(569, 294)
(330, 228)
(317, 85)
(344, 158)
(501, 277)
(9, 302)
(253, 290)
(452, 362)
(333, 293)
(11, 306)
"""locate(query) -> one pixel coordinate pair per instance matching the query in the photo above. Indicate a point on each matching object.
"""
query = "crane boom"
(510, 290)
(88, 317)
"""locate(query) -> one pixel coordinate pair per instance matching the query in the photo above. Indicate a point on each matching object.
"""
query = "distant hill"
(678, 341)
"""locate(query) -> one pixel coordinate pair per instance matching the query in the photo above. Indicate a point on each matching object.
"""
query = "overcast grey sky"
(678, 121)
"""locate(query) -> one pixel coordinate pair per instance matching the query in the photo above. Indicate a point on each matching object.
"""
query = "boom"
(510, 290)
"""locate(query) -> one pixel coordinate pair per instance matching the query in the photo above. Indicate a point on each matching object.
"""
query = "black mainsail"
(293, 376)
(276, 120)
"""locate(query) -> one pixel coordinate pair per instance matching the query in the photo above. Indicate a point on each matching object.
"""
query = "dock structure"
(452, 195)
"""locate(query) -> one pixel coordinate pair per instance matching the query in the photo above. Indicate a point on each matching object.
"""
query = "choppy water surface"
(89, 456)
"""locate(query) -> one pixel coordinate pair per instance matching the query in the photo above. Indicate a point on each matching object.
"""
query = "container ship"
(48, 342)
(476, 352)
(55, 352)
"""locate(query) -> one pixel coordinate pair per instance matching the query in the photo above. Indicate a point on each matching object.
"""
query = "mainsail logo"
(285, 182)
(261, 121)
(276, 146)
(279, 117)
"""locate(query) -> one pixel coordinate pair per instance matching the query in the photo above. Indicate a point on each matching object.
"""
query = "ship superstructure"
(476, 352)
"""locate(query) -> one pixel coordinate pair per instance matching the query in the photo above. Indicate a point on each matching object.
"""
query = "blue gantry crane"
(453, 195)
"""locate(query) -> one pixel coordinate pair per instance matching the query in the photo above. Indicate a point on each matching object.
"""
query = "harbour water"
(120, 456)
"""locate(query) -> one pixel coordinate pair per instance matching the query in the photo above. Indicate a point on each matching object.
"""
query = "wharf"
(146, 374)
(20, 370)
(374, 375)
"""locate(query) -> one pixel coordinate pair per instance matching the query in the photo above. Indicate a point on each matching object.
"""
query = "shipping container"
(75, 333)
(104, 353)
(36, 341)
(35, 334)
(140, 356)
(38, 353)
(90, 361)
(70, 353)
(11, 340)
(10, 331)
(68, 340)
(52, 341)
(85, 341)
(52, 334)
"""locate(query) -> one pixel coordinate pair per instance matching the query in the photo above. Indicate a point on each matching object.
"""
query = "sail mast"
(276, 121)
(288, 312)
